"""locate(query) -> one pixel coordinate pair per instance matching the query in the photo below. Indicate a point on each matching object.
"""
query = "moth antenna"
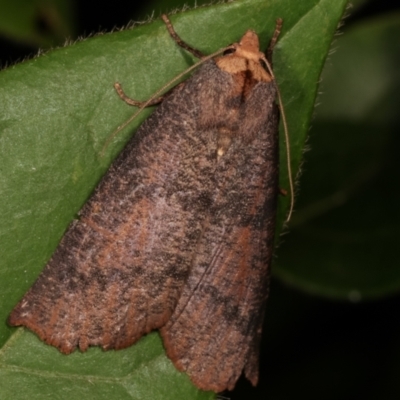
(287, 140)
(199, 282)
(159, 92)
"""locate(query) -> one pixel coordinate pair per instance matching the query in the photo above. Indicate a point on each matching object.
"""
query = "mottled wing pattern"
(177, 236)
(215, 330)
(119, 270)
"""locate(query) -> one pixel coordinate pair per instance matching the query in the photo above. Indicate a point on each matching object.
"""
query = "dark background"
(312, 347)
(86, 17)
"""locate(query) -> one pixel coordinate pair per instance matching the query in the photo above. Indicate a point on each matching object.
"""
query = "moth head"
(245, 57)
(249, 47)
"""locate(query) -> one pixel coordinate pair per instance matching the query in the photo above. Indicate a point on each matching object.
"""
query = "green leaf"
(344, 236)
(159, 7)
(141, 372)
(59, 109)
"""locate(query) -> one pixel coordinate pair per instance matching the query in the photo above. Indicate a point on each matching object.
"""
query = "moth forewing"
(178, 235)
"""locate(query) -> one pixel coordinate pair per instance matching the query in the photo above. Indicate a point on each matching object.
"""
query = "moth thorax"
(224, 141)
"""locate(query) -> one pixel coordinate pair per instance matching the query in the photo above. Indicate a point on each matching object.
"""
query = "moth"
(178, 236)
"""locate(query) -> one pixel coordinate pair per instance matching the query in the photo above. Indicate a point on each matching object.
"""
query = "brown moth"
(178, 236)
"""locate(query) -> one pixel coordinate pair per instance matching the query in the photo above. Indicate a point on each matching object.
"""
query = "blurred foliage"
(341, 242)
(41, 23)
(346, 228)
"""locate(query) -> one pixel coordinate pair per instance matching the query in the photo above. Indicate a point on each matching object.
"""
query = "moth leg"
(178, 40)
(274, 39)
(140, 104)
(133, 102)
